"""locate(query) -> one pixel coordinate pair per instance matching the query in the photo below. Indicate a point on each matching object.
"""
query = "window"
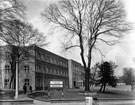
(38, 82)
(46, 70)
(62, 64)
(6, 81)
(7, 55)
(57, 72)
(26, 55)
(51, 60)
(26, 82)
(44, 57)
(66, 64)
(60, 72)
(65, 74)
(50, 70)
(57, 62)
(54, 71)
(39, 56)
(7, 68)
(39, 68)
(26, 68)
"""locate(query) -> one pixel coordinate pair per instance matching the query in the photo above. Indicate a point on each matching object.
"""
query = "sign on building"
(56, 84)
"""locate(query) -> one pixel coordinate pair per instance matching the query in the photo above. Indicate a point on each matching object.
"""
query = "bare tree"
(17, 33)
(10, 10)
(90, 21)
(21, 36)
(20, 33)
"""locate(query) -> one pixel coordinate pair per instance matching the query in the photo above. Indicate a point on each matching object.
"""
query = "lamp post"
(43, 82)
(16, 89)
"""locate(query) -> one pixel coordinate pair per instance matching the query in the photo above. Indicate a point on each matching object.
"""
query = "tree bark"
(87, 76)
(104, 87)
(100, 90)
(11, 80)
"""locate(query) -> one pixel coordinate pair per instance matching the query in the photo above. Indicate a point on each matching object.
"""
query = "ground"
(121, 95)
(70, 94)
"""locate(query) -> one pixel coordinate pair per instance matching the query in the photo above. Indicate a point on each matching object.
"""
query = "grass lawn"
(80, 94)
(8, 94)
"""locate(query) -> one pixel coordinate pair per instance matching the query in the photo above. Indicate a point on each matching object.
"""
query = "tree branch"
(99, 51)
(110, 43)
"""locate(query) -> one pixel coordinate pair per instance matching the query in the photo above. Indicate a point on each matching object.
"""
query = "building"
(76, 74)
(5, 67)
(49, 66)
(36, 68)
(128, 76)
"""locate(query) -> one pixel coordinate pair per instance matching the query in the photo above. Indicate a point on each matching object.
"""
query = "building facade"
(37, 67)
(26, 68)
(36, 70)
(76, 74)
(128, 76)
(49, 66)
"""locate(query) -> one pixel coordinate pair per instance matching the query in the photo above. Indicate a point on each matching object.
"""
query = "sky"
(122, 54)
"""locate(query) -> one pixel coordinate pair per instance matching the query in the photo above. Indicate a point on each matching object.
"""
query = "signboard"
(56, 84)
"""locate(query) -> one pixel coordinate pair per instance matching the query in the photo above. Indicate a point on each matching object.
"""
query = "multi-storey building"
(49, 66)
(5, 67)
(76, 74)
(39, 67)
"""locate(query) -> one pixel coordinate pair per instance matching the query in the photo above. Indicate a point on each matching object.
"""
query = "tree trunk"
(104, 87)
(87, 76)
(100, 90)
(13, 68)
(11, 80)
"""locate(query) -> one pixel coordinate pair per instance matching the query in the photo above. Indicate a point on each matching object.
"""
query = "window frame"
(7, 68)
(26, 68)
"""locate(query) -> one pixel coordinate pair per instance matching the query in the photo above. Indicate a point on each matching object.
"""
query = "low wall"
(16, 102)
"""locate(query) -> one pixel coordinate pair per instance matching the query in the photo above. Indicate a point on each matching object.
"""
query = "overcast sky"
(123, 54)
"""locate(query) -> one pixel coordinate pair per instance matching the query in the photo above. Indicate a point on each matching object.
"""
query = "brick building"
(36, 70)
(49, 66)
(37, 67)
